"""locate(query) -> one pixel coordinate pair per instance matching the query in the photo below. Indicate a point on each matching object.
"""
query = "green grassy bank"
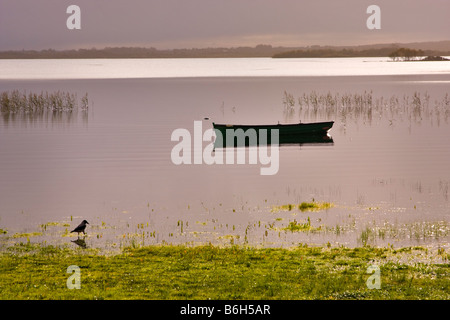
(30, 271)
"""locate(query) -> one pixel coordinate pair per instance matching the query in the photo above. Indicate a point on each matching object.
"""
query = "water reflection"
(284, 140)
(44, 117)
(80, 242)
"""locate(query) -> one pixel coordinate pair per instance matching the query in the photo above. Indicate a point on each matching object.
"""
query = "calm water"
(387, 170)
(238, 67)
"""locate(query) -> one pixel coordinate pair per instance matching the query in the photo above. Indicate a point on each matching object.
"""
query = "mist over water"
(386, 170)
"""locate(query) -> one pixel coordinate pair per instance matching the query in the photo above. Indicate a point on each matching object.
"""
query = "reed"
(366, 106)
(289, 104)
(15, 101)
(415, 231)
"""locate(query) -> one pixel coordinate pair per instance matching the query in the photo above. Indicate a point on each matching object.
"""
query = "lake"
(385, 168)
(219, 67)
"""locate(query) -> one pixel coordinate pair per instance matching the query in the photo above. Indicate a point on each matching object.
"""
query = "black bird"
(80, 227)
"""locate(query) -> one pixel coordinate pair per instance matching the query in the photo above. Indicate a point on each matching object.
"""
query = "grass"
(294, 226)
(44, 226)
(26, 234)
(304, 206)
(30, 271)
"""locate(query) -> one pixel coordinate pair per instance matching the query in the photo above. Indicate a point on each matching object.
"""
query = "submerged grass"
(304, 206)
(29, 271)
(26, 234)
(294, 226)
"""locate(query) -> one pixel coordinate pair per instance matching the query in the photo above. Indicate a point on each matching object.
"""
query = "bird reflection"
(80, 242)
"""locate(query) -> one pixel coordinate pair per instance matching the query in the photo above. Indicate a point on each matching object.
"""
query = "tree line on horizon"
(406, 54)
(236, 52)
(141, 52)
(334, 53)
(396, 54)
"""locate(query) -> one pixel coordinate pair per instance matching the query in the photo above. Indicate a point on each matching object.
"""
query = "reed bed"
(366, 106)
(15, 101)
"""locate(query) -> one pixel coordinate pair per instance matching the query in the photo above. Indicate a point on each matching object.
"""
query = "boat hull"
(287, 134)
(283, 129)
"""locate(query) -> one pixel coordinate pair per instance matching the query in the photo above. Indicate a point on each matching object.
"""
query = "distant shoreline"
(441, 48)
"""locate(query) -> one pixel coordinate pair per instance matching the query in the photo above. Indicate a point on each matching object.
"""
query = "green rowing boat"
(315, 132)
(283, 129)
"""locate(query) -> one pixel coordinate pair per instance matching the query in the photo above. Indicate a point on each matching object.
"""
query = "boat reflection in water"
(284, 134)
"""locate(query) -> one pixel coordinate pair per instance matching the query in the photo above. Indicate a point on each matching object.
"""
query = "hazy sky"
(41, 24)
